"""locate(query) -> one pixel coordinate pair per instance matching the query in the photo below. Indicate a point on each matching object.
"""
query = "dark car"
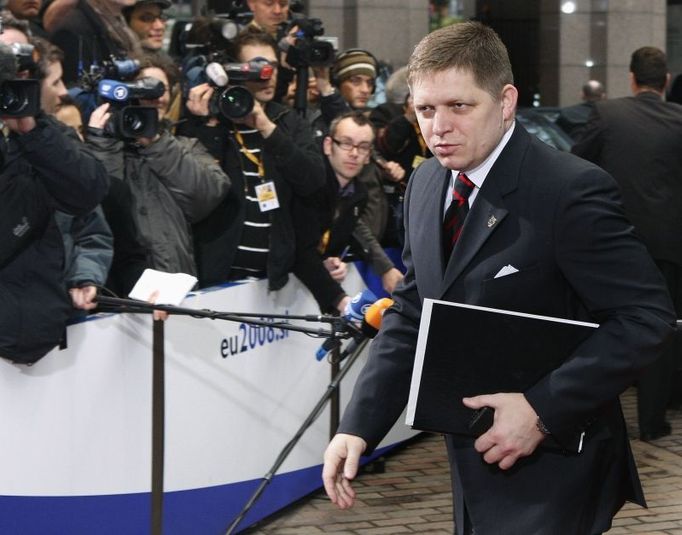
(539, 123)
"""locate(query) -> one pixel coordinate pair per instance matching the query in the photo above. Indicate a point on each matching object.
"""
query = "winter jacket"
(174, 182)
(291, 159)
(44, 170)
(330, 224)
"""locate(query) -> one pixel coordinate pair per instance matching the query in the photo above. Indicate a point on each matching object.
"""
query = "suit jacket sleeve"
(614, 276)
(383, 386)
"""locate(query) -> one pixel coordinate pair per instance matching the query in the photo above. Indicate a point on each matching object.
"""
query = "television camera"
(18, 97)
(112, 81)
(128, 119)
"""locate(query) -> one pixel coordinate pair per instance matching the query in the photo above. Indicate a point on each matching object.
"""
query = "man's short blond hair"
(467, 46)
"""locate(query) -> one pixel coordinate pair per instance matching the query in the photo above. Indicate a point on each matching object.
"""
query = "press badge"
(267, 196)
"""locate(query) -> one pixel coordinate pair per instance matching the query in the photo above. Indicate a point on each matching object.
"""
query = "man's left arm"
(75, 179)
(614, 277)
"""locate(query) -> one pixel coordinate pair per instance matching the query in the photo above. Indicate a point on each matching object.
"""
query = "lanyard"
(251, 157)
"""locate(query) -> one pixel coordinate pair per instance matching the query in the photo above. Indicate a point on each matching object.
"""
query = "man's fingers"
(477, 402)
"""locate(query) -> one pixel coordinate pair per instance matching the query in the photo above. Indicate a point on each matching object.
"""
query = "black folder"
(466, 350)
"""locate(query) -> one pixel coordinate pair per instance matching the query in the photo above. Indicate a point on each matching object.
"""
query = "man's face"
(265, 90)
(356, 90)
(24, 9)
(347, 164)
(461, 123)
(269, 13)
(148, 22)
(52, 89)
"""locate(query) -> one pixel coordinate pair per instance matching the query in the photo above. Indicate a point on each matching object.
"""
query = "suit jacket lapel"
(488, 210)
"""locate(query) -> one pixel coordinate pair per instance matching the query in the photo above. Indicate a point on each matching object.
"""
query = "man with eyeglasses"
(147, 19)
(328, 224)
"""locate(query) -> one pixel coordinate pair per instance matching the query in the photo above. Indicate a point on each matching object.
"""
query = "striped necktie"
(456, 212)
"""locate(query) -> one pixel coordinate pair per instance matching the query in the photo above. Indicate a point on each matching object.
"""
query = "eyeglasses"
(345, 145)
(148, 18)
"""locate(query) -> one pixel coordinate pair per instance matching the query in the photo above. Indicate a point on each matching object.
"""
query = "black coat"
(326, 213)
(44, 170)
(83, 38)
(291, 159)
(638, 140)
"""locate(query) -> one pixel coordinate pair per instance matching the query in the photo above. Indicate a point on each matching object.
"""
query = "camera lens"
(235, 102)
(12, 100)
(132, 122)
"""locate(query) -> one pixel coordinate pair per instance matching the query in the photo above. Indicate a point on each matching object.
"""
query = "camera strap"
(258, 162)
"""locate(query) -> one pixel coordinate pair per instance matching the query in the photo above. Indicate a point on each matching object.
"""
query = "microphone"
(216, 73)
(370, 325)
(356, 308)
(367, 313)
(374, 316)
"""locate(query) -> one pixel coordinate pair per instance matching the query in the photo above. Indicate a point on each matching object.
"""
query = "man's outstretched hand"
(341, 462)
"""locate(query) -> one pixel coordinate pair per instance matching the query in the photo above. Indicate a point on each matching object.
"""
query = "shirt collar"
(479, 174)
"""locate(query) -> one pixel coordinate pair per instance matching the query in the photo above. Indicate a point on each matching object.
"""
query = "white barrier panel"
(75, 432)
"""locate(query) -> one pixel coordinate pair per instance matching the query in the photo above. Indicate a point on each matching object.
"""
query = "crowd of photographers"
(249, 151)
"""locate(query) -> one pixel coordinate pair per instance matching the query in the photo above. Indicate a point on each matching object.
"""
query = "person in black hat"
(147, 19)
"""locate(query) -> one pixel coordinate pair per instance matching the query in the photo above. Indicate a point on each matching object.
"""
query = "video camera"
(112, 80)
(18, 97)
(128, 119)
(112, 68)
(231, 98)
(308, 50)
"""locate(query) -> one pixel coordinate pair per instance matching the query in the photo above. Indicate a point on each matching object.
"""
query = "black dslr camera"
(18, 97)
(129, 120)
(230, 98)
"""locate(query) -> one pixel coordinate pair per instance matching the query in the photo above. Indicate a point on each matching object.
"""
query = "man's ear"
(510, 97)
(327, 146)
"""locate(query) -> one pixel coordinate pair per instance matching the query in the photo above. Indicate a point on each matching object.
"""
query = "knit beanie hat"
(352, 62)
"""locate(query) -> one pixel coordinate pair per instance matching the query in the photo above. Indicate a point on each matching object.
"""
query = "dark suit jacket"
(638, 140)
(573, 118)
(559, 221)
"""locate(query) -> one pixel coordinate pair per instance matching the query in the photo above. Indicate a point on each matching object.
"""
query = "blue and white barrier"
(75, 428)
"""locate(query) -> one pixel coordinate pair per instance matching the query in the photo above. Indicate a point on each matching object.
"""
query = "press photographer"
(42, 170)
(270, 156)
(304, 50)
(173, 181)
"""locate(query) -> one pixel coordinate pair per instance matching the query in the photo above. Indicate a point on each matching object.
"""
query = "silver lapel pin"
(491, 221)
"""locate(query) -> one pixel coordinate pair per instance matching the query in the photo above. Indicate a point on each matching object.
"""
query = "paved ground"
(413, 494)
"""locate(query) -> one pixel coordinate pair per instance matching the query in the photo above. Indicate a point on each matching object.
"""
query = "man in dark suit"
(558, 222)
(572, 119)
(638, 140)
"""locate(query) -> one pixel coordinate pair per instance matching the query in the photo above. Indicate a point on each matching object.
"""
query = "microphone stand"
(352, 352)
(339, 328)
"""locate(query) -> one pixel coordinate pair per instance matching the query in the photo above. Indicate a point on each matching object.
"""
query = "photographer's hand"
(324, 85)
(259, 120)
(99, 117)
(83, 298)
(198, 99)
(20, 125)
